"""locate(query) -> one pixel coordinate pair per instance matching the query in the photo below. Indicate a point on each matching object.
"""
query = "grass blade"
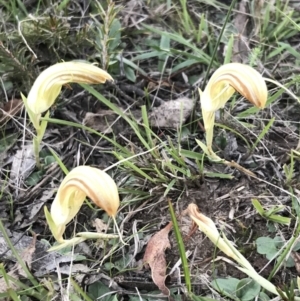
(20, 260)
(263, 133)
(181, 248)
(117, 110)
(217, 44)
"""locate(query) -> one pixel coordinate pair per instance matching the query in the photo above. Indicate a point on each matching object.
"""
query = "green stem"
(36, 149)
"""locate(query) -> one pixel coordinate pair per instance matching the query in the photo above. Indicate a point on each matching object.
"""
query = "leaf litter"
(9, 109)
(17, 271)
(23, 163)
(155, 257)
(34, 252)
(172, 113)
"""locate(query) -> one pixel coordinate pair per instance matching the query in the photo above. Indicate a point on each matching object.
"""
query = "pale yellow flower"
(225, 81)
(79, 183)
(47, 87)
(49, 83)
(208, 227)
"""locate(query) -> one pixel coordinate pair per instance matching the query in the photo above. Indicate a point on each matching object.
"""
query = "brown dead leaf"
(171, 114)
(10, 109)
(155, 257)
(107, 121)
(296, 258)
(101, 122)
(99, 225)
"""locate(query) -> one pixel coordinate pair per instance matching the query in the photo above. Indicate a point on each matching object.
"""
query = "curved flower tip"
(79, 183)
(224, 82)
(208, 227)
(49, 83)
(230, 78)
(200, 218)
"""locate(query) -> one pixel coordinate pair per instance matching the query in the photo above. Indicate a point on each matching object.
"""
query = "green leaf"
(146, 55)
(280, 219)
(67, 243)
(136, 298)
(296, 247)
(265, 245)
(49, 160)
(211, 155)
(200, 298)
(271, 228)
(263, 297)
(97, 290)
(265, 283)
(185, 64)
(75, 297)
(59, 161)
(268, 246)
(129, 73)
(80, 291)
(295, 204)
(258, 206)
(227, 286)
(263, 133)
(289, 263)
(7, 85)
(131, 64)
(201, 55)
(165, 43)
(278, 242)
(191, 154)
(274, 210)
(34, 178)
(221, 142)
(115, 35)
(247, 289)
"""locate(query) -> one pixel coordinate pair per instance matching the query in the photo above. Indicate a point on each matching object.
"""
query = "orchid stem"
(36, 150)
